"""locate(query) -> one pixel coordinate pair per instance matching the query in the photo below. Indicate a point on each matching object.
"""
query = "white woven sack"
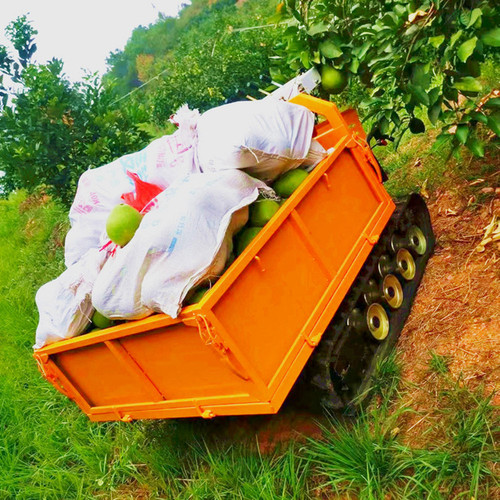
(181, 241)
(65, 304)
(265, 138)
(162, 162)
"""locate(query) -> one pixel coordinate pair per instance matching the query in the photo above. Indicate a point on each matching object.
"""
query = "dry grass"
(456, 313)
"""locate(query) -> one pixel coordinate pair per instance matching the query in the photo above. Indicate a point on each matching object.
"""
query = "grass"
(49, 449)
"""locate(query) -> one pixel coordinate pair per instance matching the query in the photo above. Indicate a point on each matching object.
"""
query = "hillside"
(428, 430)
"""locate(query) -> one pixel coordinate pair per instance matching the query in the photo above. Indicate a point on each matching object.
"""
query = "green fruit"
(416, 126)
(100, 321)
(289, 182)
(122, 224)
(244, 238)
(197, 296)
(333, 81)
(262, 211)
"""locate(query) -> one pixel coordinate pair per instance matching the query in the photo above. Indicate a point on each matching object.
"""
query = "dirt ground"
(456, 314)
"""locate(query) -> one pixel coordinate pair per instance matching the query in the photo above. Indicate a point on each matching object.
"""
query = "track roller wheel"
(372, 292)
(393, 291)
(406, 264)
(378, 321)
(371, 316)
(386, 265)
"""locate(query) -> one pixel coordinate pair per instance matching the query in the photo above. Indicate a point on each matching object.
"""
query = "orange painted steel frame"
(241, 348)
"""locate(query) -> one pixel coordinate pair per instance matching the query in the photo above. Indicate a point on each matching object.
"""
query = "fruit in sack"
(333, 81)
(197, 296)
(100, 321)
(289, 182)
(244, 238)
(122, 223)
(262, 211)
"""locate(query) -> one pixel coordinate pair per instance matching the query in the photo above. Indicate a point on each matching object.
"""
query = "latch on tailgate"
(45, 366)
(209, 336)
(368, 154)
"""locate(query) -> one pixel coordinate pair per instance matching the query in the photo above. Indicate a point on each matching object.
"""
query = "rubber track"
(341, 367)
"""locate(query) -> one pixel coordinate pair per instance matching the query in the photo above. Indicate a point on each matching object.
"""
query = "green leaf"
(436, 41)
(474, 16)
(442, 140)
(296, 14)
(476, 147)
(434, 112)
(361, 51)
(329, 49)
(454, 38)
(494, 123)
(450, 93)
(468, 84)
(493, 103)
(465, 17)
(466, 49)
(354, 66)
(395, 119)
(421, 76)
(305, 60)
(419, 94)
(479, 117)
(462, 133)
(317, 28)
(434, 95)
(491, 38)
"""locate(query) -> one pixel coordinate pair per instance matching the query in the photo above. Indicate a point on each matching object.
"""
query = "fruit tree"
(410, 59)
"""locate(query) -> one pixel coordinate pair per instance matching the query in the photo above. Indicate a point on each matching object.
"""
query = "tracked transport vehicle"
(317, 297)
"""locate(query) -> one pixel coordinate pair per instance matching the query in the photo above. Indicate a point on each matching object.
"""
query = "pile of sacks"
(194, 188)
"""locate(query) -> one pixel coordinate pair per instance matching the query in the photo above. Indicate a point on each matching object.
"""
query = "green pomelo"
(100, 321)
(289, 182)
(197, 296)
(244, 238)
(333, 81)
(262, 211)
(416, 126)
(122, 224)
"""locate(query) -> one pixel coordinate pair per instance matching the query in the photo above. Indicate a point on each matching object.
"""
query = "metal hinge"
(358, 141)
(45, 368)
(208, 335)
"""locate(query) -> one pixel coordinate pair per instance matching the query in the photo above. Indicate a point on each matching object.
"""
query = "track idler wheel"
(414, 239)
(417, 240)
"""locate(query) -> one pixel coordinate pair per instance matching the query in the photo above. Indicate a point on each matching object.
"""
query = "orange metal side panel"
(240, 349)
(270, 312)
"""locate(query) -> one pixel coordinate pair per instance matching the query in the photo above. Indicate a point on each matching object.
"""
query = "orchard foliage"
(51, 130)
(216, 62)
(212, 53)
(409, 58)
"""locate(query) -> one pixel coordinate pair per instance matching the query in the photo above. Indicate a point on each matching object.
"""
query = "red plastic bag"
(144, 192)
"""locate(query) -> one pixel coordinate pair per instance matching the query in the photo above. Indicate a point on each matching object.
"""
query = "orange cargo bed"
(242, 347)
